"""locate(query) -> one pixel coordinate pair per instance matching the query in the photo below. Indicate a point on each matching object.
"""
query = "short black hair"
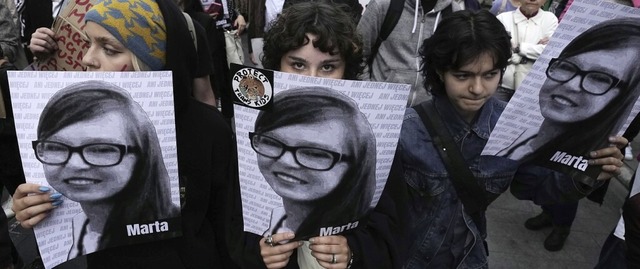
(461, 38)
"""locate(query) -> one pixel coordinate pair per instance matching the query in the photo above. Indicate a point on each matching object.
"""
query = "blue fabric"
(434, 202)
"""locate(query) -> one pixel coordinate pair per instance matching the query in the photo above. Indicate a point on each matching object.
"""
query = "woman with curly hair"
(319, 39)
(314, 39)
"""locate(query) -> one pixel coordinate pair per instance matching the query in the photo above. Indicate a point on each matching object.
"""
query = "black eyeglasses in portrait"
(593, 82)
(96, 154)
(308, 157)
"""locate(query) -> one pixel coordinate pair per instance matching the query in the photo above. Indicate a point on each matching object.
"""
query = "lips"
(289, 178)
(81, 181)
(561, 100)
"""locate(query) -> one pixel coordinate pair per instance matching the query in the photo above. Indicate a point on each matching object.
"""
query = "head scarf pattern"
(138, 25)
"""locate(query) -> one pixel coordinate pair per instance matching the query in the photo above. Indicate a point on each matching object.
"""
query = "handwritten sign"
(68, 27)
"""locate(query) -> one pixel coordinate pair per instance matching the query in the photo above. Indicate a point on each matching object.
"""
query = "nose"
(76, 161)
(89, 61)
(312, 73)
(574, 83)
(288, 159)
(476, 86)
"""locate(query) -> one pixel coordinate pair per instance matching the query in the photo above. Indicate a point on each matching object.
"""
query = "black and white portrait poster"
(314, 153)
(104, 144)
(581, 90)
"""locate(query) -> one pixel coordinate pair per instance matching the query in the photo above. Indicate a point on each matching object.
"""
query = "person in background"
(9, 38)
(43, 44)
(232, 19)
(530, 28)
(204, 141)
(500, 6)
(397, 57)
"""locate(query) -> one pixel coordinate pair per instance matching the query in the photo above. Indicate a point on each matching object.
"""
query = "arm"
(9, 38)
(381, 242)
(631, 214)
(369, 28)
(532, 50)
(203, 91)
(6, 259)
(240, 24)
(43, 43)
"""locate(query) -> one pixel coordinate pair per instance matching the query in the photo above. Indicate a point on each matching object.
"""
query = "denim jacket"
(434, 204)
(432, 196)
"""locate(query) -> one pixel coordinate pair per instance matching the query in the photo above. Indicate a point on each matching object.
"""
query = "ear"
(440, 75)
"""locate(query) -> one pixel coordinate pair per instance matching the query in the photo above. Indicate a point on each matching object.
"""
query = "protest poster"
(68, 28)
(105, 142)
(581, 90)
(314, 153)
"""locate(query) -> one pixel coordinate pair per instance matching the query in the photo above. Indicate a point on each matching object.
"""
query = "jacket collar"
(481, 125)
(518, 17)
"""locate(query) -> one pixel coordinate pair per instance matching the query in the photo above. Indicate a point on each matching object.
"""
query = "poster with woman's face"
(314, 154)
(105, 144)
(581, 90)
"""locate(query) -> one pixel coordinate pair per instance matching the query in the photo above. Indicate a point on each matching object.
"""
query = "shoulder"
(549, 17)
(505, 15)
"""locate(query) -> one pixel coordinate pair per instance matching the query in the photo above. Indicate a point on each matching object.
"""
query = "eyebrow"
(308, 144)
(296, 58)
(469, 72)
(105, 40)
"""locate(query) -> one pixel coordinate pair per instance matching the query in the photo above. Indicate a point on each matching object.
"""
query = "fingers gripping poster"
(314, 153)
(104, 143)
(581, 90)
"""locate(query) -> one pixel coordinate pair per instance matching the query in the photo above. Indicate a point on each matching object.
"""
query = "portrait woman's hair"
(352, 197)
(460, 40)
(146, 196)
(592, 133)
(336, 34)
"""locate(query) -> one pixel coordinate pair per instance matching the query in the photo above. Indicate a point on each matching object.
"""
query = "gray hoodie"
(397, 59)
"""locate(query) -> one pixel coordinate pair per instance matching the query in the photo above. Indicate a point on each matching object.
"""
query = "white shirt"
(273, 8)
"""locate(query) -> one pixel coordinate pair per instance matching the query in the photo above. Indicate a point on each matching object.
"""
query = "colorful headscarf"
(138, 25)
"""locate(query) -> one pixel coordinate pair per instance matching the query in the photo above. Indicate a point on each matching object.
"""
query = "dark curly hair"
(335, 30)
(461, 38)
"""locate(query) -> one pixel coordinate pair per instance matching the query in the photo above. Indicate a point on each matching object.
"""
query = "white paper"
(522, 119)
(30, 92)
(383, 105)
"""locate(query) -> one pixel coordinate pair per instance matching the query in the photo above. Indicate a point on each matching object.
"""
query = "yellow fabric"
(138, 25)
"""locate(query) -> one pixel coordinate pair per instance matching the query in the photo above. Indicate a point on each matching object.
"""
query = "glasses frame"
(124, 150)
(337, 157)
(615, 82)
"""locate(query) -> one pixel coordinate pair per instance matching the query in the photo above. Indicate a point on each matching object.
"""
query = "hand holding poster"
(104, 144)
(583, 89)
(314, 153)
(69, 37)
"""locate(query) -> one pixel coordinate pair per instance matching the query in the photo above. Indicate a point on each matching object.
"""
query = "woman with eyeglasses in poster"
(99, 148)
(590, 90)
(328, 180)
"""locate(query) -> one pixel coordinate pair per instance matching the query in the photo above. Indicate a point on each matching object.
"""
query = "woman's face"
(472, 85)
(530, 7)
(567, 102)
(105, 52)
(310, 61)
(292, 181)
(83, 182)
